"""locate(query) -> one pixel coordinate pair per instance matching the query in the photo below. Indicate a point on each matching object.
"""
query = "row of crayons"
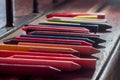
(54, 46)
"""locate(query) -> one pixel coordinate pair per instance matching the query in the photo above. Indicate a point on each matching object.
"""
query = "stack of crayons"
(54, 46)
(95, 22)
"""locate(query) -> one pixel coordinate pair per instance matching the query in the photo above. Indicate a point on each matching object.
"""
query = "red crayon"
(50, 40)
(50, 28)
(7, 53)
(99, 16)
(23, 69)
(62, 65)
(84, 62)
(64, 33)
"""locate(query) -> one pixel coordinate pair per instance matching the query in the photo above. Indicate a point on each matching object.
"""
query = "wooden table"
(107, 58)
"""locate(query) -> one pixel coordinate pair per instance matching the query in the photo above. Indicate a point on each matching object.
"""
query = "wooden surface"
(112, 12)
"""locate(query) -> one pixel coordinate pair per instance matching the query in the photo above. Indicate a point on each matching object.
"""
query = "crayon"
(23, 69)
(84, 62)
(86, 50)
(88, 17)
(38, 25)
(92, 40)
(79, 22)
(16, 56)
(78, 19)
(92, 27)
(8, 53)
(59, 37)
(37, 40)
(31, 30)
(62, 41)
(39, 48)
(64, 33)
(50, 28)
(99, 16)
(46, 40)
(62, 65)
(96, 39)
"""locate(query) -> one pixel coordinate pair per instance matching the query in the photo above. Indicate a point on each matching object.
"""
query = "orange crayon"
(82, 49)
(7, 53)
(38, 48)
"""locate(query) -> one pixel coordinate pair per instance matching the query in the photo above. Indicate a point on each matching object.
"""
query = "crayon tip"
(24, 28)
(97, 40)
(87, 43)
(94, 50)
(107, 26)
(8, 41)
(48, 16)
(102, 40)
(74, 66)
